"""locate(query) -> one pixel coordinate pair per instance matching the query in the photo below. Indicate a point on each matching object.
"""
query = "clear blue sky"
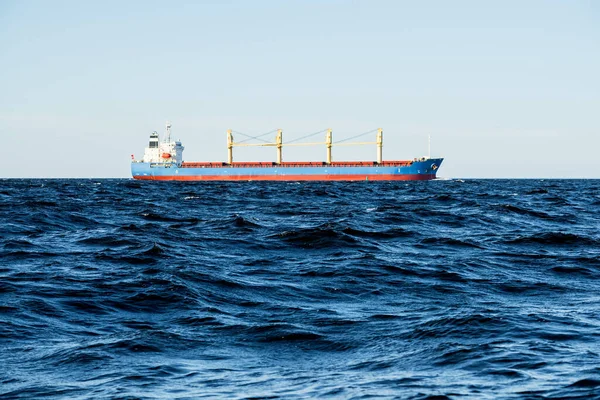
(505, 88)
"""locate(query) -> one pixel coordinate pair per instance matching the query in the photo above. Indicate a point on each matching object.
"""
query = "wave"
(554, 238)
(471, 288)
(324, 236)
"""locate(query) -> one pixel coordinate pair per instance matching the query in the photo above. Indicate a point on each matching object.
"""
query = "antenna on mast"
(168, 135)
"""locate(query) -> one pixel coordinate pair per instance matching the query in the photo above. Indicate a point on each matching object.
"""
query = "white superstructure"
(166, 151)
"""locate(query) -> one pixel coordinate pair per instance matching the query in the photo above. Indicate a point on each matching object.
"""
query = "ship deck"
(296, 164)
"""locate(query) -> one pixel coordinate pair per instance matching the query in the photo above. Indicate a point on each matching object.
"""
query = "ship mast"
(379, 146)
(328, 142)
(168, 134)
(229, 147)
(279, 143)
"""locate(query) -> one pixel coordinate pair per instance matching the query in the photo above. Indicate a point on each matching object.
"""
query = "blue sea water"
(442, 289)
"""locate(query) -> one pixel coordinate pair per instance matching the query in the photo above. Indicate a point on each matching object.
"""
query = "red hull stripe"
(381, 177)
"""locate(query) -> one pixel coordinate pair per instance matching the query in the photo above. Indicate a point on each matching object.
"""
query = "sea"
(446, 289)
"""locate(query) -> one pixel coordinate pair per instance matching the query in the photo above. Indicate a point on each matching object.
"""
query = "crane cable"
(354, 137)
(250, 137)
(305, 137)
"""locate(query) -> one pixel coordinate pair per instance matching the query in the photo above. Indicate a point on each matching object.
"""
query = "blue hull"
(417, 170)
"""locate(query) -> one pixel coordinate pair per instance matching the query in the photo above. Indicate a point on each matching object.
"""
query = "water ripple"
(423, 290)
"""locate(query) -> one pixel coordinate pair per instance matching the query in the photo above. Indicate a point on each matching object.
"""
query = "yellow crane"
(328, 143)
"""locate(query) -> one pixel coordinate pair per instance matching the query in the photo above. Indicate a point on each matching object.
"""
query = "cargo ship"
(163, 160)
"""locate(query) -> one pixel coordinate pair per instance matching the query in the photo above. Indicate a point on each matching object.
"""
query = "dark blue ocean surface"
(464, 289)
